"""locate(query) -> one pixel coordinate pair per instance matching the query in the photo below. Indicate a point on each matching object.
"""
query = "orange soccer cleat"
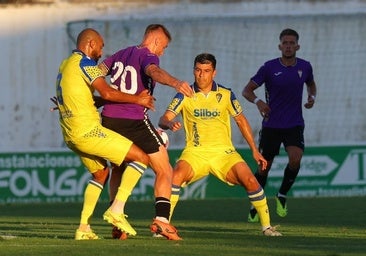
(118, 234)
(164, 229)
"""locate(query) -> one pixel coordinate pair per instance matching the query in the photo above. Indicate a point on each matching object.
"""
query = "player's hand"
(146, 100)
(184, 88)
(311, 101)
(263, 108)
(174, 126)
(260, 159)
(55, 101)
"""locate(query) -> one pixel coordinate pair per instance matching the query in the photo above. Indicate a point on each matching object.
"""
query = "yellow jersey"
(206, 117)
(78, 115)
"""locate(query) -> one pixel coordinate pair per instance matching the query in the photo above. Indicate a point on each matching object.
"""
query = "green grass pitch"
(314, 226)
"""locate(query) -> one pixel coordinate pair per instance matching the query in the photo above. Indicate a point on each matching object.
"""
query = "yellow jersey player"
(209, 148)
(80, 123)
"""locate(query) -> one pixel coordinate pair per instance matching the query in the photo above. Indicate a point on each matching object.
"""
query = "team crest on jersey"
(218, 97)
(300, 73)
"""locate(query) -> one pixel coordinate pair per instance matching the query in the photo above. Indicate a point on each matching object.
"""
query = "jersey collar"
(214, 87)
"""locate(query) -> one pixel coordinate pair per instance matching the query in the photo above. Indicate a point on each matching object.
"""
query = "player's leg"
(241, 174)
(115, 180)
(145, 136)
(99, 171)
(294, 145)
(128, 129)
(191, 166)
(115, 149)
(98, 168)
(159, 162)
(292, 168)
(182, 174)
(137, 162)
(269, 146)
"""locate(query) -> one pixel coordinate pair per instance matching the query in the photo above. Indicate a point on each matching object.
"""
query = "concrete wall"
(34, 41)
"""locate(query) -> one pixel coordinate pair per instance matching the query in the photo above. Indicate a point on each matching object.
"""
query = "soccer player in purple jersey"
(283, 122)
(132, 70)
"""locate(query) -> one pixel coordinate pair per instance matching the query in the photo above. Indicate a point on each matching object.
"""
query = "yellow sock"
(259, 201)
(130, 177)
(174, 198)
(91, 196)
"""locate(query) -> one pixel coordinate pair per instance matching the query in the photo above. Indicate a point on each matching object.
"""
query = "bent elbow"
(245, 93)
(106, 95)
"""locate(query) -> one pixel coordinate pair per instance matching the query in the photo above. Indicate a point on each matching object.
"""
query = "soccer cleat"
(281, 208)
(164, 229)
(253, 216)
(119, 220)
(271, 231)
(118, 234)
(88, 235)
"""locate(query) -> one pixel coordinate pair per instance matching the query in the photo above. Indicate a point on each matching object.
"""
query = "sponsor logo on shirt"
(206, 113)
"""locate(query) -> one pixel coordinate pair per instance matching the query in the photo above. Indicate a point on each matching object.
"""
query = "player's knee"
(294, 164)
(178, 179)
(101, 176)
(136, 154)
(180, 176)
(251, 183)
(144, 158)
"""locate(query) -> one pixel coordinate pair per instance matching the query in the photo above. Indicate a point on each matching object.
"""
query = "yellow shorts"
(99, 145)
(218, 162)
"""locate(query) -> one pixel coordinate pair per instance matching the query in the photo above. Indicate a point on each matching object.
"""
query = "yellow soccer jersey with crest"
(206, 118)
(78, 115)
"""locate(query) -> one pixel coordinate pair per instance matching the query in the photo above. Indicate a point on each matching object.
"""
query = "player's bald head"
(86, 36)
(91, 43)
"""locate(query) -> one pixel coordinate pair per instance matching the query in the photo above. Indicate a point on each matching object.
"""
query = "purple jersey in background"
(127, 71)
(284, 89)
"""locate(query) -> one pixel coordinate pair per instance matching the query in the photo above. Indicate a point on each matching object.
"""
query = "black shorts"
(141, 132)
(270, 140)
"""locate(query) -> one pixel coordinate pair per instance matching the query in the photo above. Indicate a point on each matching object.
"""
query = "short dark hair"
(154, 27)
(205, 58)
(289, 32)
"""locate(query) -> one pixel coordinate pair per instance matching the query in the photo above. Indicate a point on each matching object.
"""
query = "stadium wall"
(242, 35)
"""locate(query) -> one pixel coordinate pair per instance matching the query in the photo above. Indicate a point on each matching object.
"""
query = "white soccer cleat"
(271, 231)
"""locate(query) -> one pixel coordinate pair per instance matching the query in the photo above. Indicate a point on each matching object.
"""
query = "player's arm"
(98, 102)
(247, 133)
(109, 94)
(311, 89)
(104, 69)
(248, 94)
(166, 121)
(163, 77)
(248, 91)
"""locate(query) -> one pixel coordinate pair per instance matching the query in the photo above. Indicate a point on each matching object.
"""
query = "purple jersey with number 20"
(284, 89)
(127, 71)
